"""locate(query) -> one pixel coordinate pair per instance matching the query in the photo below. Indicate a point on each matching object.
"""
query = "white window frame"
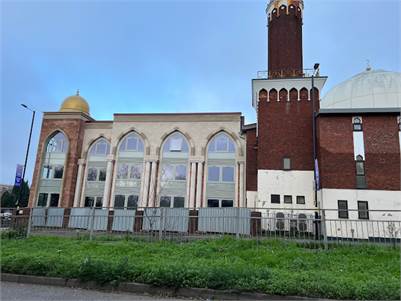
(221, 173)
(172, 200)
(220, 202)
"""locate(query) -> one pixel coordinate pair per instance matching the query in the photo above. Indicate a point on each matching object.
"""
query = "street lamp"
(315, 72)
(27, 151)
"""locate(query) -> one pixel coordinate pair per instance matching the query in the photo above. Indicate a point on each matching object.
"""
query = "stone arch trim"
(185, 134)
(232, 135)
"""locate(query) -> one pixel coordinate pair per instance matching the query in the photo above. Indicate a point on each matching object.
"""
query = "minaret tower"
(284, 19)
(284, 107)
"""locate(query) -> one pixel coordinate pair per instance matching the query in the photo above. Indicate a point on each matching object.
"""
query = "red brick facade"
(285, 42)
(336, 151)
(74, 130)
(285, 131)
(251, 160)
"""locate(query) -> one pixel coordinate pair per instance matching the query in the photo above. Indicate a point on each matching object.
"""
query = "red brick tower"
(285, 38)
(284, 107)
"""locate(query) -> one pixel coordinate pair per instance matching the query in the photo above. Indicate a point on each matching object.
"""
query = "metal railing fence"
(304, 225)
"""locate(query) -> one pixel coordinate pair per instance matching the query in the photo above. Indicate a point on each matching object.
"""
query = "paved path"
(11, 291)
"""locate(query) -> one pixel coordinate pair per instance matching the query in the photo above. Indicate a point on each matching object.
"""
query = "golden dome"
(75, 103)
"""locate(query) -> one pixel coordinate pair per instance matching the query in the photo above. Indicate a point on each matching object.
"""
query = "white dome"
(368, 89)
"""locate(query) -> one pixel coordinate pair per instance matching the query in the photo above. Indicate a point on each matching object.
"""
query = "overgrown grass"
(273, 267)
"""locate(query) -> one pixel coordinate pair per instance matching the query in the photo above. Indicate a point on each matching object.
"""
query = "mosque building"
(340, 151)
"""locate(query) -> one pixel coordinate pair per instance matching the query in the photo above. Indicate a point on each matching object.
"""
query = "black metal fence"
(323, 226)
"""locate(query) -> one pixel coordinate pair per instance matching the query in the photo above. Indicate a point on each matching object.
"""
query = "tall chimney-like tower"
(284, 19)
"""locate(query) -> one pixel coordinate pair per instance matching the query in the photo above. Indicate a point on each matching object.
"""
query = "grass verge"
(272, 267)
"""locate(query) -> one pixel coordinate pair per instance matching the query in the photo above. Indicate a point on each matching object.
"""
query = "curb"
(139, 288)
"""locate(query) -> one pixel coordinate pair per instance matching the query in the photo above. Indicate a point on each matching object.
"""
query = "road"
(11, 291)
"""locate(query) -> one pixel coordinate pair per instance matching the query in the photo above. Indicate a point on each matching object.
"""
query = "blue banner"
(317, 175)
(18, 175)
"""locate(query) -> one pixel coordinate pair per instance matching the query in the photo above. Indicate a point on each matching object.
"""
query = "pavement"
(11, 291)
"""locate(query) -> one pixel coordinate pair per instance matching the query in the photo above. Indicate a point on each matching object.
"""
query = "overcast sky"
(167, 56)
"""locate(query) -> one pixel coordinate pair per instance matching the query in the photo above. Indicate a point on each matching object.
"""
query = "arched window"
(357, 124)
(96, 173)
(100, 148)
(280, 221)
(263, 95)
(293, 94)
(175, 143)
(221, 171)
(360, 166)
(52, 170)
(131, 143)
(129, 171)
(273, 95)
(302, 226)
(173, 172)
(221, 143)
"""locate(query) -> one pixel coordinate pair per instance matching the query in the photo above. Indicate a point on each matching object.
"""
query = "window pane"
(54, 199)
(99, 202)
(213, 173)
(102, 174)
(288, 199)
(363, 212)
(275, 198)
(168, 172)
(132, 201)
(92, 174)
(101, 148)
(342, 209)
(42, 199)
(58, 172)
(119, 201)
(136, 171)
(175, 144)
(221, 143)
(46, 172)
(165, 201)
(300, 199)
(181, 172)
(132, 143)
(286, 163)
(122, 172)
(228, 174)
(227, 203)
(89, 201)
(179, 202)
(360, 168)
(212, 203)
(231, 147)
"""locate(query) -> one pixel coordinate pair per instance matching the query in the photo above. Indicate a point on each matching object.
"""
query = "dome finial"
(77, 92)
(368, 68)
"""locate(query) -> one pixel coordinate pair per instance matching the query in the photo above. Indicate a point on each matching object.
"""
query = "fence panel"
(79, 218)
(224, 220)
(123, 220)
(38, 217)
(55, 217)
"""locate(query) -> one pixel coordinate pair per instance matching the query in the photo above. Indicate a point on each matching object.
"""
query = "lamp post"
(315, 72)
(27, 152)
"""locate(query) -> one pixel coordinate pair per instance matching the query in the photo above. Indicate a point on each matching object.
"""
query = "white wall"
(251, 199)
(378, 223)
(291, 182)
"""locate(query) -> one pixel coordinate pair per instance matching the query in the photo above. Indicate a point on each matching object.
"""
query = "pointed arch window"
(101, 148)
(221, 143)
(357, 124)
(131, 143)
(176, 143)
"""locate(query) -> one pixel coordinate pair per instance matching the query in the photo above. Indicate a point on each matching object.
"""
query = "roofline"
(294, 78)
(359, 110)
(248, 127)
(177, 114)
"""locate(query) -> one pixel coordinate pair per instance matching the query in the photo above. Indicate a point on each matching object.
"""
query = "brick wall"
(336, 151)
(382, 152)
(251, 161)
(285, 130)
(285, 43)
(74, 130)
